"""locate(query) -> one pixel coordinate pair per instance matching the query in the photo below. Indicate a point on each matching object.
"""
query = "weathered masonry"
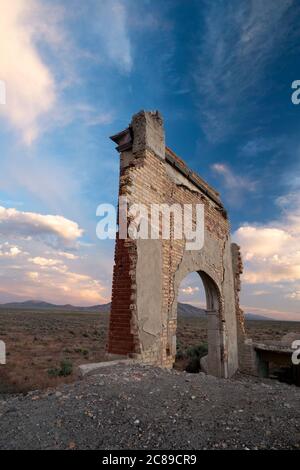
(147, 273)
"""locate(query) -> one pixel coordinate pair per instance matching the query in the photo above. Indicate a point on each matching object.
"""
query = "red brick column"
(121, 340)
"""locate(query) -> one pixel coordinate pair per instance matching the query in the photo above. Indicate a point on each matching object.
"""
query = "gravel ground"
(139, 407)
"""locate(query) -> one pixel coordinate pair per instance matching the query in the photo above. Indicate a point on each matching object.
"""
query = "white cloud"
(38, 272)
(272, 252)
(35, 85)
(54, 229)
(50, 285)
(29, 82)
(263, 241)
(33, 275)
(40, 261)
(67, 255)
(59, 285)
(189, 290)
(293, 295)
(14, 251)
(9, 251)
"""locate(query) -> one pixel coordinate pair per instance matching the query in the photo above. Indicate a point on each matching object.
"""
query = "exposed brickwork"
(237, 265)
(121, 337)
(147, 178)
(247, 354)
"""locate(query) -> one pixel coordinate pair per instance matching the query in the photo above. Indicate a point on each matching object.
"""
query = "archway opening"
(198, 325)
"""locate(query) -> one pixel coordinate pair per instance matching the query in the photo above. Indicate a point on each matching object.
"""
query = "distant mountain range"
(187, 310)
(40, 305)
(184, 310)
(255, 316)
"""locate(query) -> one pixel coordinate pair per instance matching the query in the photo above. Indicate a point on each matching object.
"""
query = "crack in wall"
(156, 266)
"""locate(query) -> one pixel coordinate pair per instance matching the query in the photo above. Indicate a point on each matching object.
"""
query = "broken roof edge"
(124, 141)
(177, 162)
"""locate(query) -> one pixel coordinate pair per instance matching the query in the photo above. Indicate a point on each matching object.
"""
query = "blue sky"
(220, 73)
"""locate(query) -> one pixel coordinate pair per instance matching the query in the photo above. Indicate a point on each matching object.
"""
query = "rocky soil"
(139, 407)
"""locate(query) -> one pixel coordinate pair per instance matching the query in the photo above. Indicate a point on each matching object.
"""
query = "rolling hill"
(40, 305)
(184, 310)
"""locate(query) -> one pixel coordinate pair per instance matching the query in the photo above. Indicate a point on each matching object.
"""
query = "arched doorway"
(148, 272)
(204, 296)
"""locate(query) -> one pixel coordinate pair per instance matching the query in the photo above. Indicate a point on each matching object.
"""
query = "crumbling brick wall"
(247, 355)
(147, 273)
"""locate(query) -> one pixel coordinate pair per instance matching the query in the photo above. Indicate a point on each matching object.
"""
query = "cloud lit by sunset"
(79, 75)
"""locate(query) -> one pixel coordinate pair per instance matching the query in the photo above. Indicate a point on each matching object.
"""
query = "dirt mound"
(138, 407)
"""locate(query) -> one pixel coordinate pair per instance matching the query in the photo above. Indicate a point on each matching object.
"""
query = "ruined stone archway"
(147, 272)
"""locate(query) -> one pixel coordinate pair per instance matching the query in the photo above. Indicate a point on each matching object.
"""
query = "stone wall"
(147, 273)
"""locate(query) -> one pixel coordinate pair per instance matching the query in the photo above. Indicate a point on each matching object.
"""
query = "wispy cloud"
(240, 38)
(85, 113)
(111, 23)
(41, 261)
(258, 292)
(235, 185)
(261, 145)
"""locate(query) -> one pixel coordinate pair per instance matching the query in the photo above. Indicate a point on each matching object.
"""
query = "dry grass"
(271, 330)
(38, 341)
(192, 331)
